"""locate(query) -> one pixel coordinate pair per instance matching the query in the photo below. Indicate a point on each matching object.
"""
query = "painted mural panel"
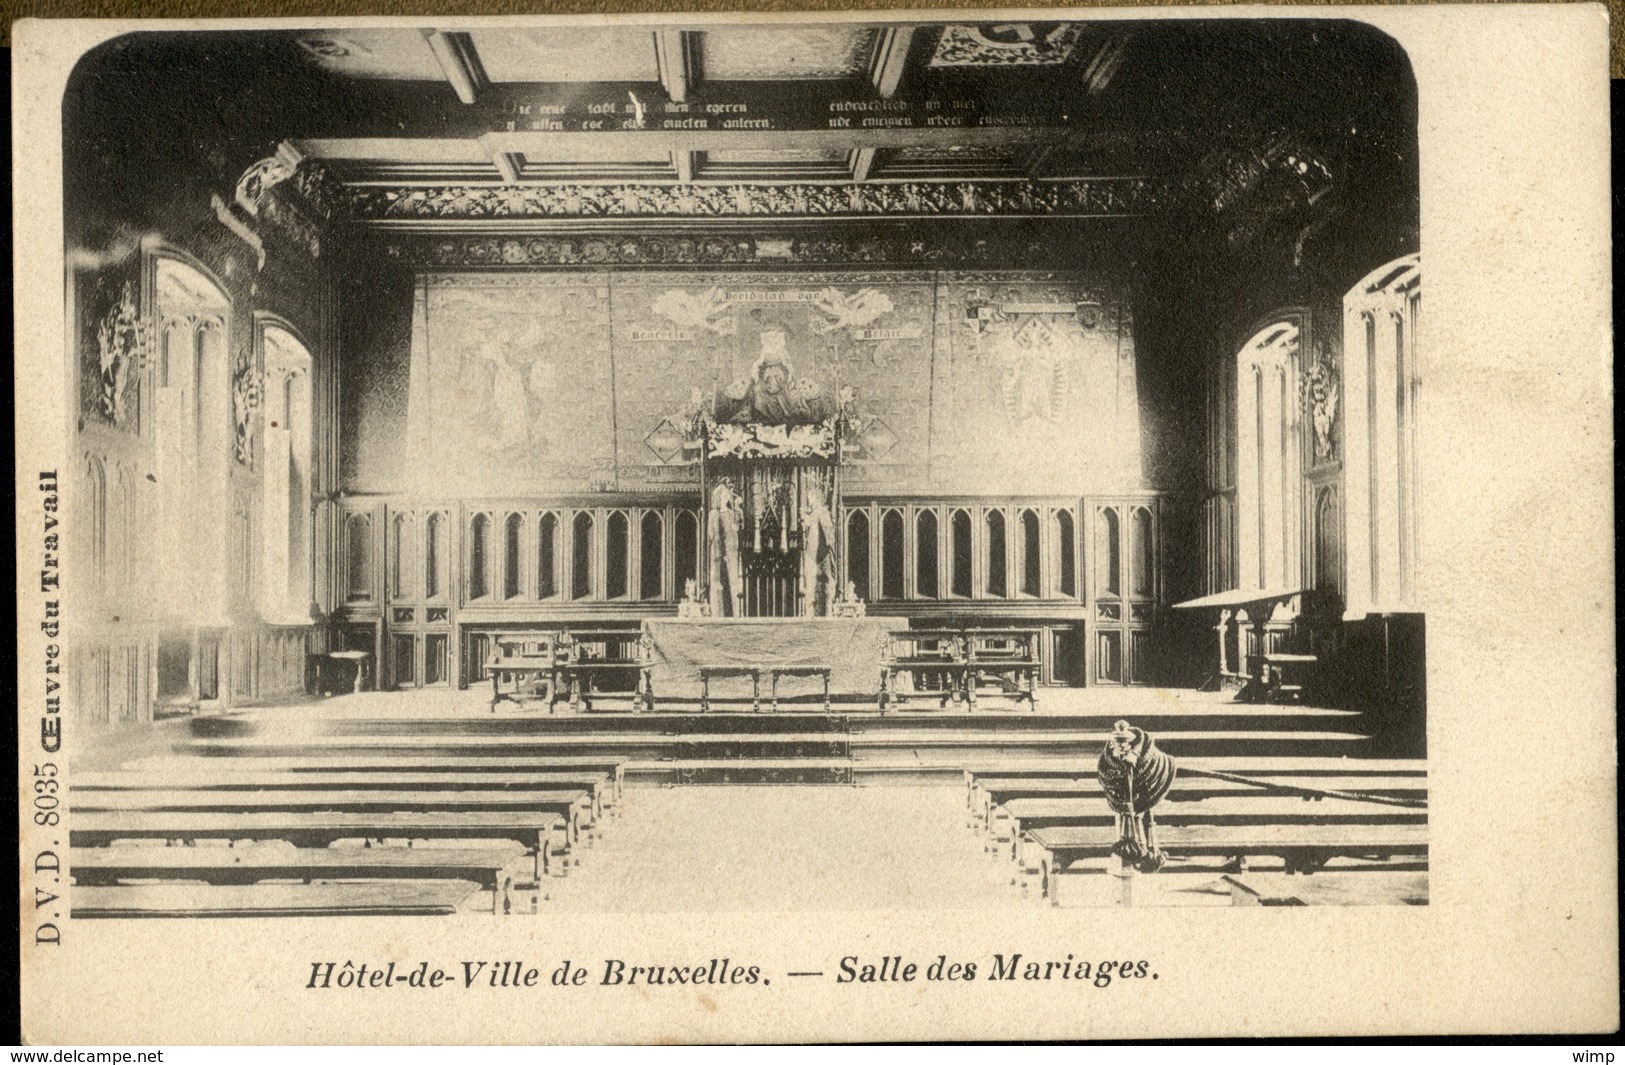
(784, 349)
(511, 382)
(1035, 387)
(992, 383)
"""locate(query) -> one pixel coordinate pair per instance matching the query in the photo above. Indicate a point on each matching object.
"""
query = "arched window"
(996, 585)
(617, 548)
(962, 558)
(891, 555)
(1267, 455)
(359, 557)
(192, 418)
(688, 552)
(285, 508)
(1381, 389)
(925, 554)
(581, 555)
(513, 546)
(547, 556)
(1032, 555)
(400, 559)
(651, 556)
(1142, 554)
(857, 551)
(433, 548)
(1066, 554)
(212, 422)
(96, 520)
(1108, 553)
(479, 557)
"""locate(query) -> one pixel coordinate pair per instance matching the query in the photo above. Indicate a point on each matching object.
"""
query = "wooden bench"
(389, 899)
(774, 672)
(993, 792)
(543, 835)
(962, 658)
(563, 665)
(1281, 676)
(323, 759)
(1361, 887)
(192, 776)
(567, 804)
(494, 869)
(1239, 766)
(1026, 815)
(1302, 848)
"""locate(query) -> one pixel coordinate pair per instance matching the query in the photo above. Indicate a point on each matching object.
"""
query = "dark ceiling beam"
(636, 143)
(459, 62)
(891, 59)
(677, 58)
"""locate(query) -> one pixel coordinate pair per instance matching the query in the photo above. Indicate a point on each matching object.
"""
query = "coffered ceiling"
(485, 124)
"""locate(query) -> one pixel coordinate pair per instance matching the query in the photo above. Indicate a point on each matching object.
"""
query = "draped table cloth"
(852, 649)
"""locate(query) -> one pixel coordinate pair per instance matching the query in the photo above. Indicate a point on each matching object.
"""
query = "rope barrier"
(1306, 791)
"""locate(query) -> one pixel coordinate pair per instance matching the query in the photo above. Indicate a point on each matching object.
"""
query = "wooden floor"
(918, 810)
(737, 848)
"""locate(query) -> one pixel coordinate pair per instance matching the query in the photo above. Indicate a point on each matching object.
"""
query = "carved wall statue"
(1320, 399)
(725, 519)
(818, 576)
(246, 392)
(121, 342)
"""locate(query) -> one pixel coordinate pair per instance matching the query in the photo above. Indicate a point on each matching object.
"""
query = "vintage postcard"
(860, 526)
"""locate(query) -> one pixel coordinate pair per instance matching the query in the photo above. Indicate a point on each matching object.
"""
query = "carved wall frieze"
(615, 250)
(1081, 198)
(322, 195)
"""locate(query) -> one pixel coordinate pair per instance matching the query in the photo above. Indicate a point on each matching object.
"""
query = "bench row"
(242, 825)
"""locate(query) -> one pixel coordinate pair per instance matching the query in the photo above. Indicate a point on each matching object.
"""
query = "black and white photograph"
(531, 474)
